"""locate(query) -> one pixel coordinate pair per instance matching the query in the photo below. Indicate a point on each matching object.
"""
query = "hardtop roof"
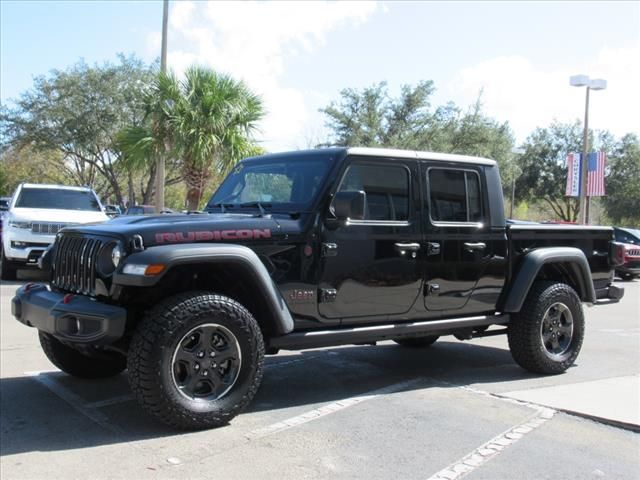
(384, 152)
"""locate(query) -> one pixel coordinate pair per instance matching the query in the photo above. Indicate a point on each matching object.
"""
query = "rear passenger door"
(370, 267)
(459, 243)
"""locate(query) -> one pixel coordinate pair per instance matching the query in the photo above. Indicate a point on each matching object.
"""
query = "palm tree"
(206, 120)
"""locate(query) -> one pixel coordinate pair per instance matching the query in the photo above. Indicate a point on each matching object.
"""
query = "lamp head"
(579, 80)
(598, 84)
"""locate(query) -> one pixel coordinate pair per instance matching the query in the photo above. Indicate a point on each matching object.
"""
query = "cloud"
(514, 89)
(252, 41)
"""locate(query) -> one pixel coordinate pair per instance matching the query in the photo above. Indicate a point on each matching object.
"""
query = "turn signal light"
(154, 269)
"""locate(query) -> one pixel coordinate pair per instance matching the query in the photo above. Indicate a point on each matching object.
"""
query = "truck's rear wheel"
(196, 360)
(417, 342)
(76, 363)
(547, 334)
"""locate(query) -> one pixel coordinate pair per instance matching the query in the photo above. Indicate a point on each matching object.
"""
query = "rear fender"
(573, 259)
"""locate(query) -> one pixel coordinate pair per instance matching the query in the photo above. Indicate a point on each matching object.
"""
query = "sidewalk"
(611, 400)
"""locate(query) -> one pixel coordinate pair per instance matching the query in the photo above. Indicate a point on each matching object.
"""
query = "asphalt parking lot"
(455, 409)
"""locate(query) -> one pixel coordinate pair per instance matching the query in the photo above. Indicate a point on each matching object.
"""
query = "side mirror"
(349, 205)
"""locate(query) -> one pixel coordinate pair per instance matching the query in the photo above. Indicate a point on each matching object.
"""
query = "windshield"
(282, 184)
(57, 198)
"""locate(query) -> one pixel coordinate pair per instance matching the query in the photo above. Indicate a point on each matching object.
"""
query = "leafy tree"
(78, 112)
(544, 169)
(205, 121)
(622, 202)
(33, 166)
(371, 118)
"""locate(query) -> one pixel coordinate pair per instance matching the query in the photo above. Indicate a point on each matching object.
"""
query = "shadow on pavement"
(32, 418)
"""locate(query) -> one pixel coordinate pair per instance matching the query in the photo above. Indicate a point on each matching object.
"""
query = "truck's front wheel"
(76, 363)
(196, 360)
(547, 334)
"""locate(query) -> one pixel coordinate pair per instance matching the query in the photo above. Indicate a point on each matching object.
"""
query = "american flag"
(595, 175)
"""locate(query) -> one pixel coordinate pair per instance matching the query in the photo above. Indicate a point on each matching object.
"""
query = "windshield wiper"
(260, 206)
(223, 206)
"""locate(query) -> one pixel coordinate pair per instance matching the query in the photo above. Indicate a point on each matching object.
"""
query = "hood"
(57, 216)
(213, 227)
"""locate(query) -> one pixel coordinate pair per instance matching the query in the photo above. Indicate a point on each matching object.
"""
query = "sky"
(299, 55)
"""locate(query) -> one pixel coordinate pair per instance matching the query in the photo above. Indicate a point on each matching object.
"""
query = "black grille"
(75, 264)
(633, 252)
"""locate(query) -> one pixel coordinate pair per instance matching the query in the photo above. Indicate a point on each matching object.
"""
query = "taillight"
(617, 253)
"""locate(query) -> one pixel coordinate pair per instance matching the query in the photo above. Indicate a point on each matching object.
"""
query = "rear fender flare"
(533, 262)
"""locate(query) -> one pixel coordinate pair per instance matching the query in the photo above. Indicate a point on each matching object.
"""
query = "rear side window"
(387, 189)
(454, 195)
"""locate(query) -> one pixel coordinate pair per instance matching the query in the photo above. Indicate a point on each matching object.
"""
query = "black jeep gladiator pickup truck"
(308, 249)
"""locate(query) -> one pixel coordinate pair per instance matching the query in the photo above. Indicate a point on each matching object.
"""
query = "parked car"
(311, 249)
(112, 210)
(145, 210)
(631, 238)
(36, 214)
(4, 204)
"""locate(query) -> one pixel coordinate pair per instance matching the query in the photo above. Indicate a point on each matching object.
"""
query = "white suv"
(36, 214)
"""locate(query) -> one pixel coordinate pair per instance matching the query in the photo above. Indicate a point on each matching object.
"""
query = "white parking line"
(46, 380)
(110, 401)
(329, 409)
(493, 447)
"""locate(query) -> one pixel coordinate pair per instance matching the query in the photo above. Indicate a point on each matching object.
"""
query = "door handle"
(408, 246)
(403, 248)
(470, 247)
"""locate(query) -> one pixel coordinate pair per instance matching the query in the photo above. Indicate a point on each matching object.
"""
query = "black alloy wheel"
(556, 330)
(206, 362)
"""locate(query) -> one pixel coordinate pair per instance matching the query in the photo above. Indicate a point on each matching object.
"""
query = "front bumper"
(630, 267)
(34, 243)
(76, 319)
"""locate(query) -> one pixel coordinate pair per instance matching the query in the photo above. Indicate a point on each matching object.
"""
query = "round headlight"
(116, 255)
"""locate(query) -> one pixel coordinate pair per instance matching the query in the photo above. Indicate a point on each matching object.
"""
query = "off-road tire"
(525, 331)
(8, 271)
(417, 342)
(77, 364)
(151, 359)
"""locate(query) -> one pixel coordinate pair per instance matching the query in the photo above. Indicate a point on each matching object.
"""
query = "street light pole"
(584, 168)
(163, 68)
(598, 84)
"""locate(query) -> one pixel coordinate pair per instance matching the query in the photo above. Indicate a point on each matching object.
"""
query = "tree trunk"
(148, 193)
(132, 192)
(196, 180)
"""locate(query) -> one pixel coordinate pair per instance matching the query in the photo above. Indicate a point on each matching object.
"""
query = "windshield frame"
(328, 158)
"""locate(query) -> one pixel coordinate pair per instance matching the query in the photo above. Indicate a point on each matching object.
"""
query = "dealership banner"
(573, 175)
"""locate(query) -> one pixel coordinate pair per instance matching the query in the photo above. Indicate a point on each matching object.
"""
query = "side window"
(454, 196)
(386, 186)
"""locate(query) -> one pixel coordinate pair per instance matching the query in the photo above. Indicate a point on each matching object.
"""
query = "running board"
(374, 333)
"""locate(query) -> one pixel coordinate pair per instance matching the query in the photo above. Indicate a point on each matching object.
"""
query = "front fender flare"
(535, 260)
(174, 255)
